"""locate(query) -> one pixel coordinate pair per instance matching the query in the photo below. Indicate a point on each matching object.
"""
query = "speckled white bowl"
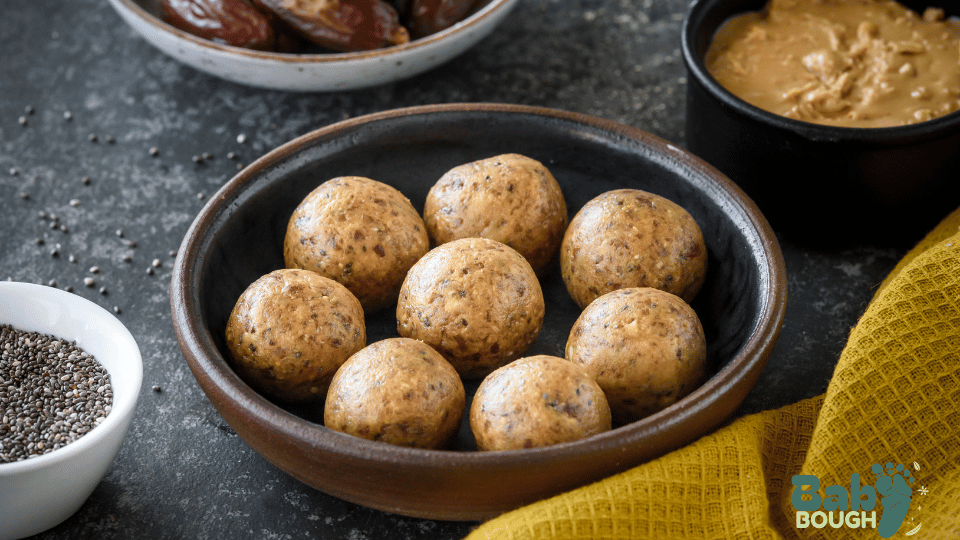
(313, 72)
(39, 493)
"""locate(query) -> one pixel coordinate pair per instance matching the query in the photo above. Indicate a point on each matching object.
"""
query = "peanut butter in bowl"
(848, 63)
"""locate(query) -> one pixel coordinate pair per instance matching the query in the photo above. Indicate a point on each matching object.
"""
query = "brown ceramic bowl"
(238, 237)
(820, 184)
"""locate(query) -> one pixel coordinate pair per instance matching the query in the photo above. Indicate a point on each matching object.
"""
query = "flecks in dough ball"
(632, 238)
(289, 332)
(399, 391)
(537, 401)
(360, 232)
(644, 347)
(476, 301)
(509, 198)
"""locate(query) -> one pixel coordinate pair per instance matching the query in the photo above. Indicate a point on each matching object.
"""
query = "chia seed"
(51, 393)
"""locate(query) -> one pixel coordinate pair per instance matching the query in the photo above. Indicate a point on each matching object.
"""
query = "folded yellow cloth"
(894, 400)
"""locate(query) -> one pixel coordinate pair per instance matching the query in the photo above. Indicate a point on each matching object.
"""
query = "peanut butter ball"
(399, 391)
(476, 301)
(537, 401)
(359, 232)
(289, 332)
(645, 348)
(632, 238)
(509, 198)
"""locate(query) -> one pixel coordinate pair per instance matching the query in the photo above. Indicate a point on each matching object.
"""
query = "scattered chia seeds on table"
(51, 393)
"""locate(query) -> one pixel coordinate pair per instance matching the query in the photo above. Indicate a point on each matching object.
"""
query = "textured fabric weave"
(894, 399)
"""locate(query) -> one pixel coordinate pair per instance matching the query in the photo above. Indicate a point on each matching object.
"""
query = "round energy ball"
(645, 348)
(632, 238)
(289, 332)
(509, 198)
(476, 301)
(399, 391)
(537, 401)
(360, 232)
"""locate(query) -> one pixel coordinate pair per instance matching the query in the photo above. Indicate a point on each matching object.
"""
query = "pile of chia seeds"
(51, 393)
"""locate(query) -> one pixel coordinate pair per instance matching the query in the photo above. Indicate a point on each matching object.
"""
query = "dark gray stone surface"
(182, 472)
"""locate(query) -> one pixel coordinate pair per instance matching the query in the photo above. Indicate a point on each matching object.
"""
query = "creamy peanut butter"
(851, 63)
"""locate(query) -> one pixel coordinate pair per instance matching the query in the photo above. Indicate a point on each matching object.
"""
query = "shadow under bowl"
(238, 237)
(820, 184)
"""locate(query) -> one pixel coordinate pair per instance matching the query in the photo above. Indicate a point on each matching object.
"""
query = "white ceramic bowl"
(39, 493)
(313, 72)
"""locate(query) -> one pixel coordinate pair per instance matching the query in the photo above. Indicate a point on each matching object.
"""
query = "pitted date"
(341, 25)
(431, 16)
(232, 22)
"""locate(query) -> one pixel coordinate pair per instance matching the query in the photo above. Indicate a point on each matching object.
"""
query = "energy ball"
(510, 198)
(289, 332)
(360, 232)
(476, 301)
(632, 238)
(399, 391)
(537, 401)
(645, 348)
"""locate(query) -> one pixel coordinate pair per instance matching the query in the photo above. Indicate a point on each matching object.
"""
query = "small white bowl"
(313, 72)
(39, 493)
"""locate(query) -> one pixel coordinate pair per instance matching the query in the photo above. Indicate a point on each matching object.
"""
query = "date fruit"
(232, 22)
(431, 16)
(342, 25)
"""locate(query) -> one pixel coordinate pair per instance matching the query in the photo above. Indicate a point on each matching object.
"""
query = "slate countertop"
(95, 98)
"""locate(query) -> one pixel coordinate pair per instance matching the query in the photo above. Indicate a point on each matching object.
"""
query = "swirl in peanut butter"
(849, 63)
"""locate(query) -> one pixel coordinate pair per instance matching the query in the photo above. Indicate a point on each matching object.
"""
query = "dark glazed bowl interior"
(823, 184)
(238, 237)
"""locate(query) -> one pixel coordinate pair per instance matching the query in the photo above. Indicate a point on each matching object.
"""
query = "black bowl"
(819, 183)
(238, 237)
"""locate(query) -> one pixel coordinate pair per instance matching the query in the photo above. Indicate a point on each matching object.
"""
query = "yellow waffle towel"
(891, 415)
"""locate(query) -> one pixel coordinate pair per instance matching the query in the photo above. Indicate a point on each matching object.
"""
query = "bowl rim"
(690, 29)
(207, 363)
(121, 409)
(470, 21)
